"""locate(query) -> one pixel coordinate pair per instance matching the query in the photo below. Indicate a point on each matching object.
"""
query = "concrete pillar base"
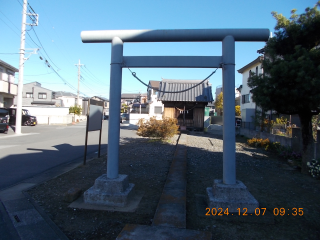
(109, 191)
(231, 196)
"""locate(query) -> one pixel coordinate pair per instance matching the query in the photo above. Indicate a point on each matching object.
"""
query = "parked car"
(124, 117)
(4, 120)
(27, 119)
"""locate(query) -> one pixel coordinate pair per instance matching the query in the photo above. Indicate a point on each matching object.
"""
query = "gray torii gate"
(113, 180)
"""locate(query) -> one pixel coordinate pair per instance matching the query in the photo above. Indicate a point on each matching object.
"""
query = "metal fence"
(248, 125)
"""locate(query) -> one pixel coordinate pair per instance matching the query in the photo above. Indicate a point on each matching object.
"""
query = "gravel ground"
(270, 180)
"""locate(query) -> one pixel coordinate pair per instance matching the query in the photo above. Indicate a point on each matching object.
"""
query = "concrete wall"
(284, 141)
(49, 111)
(53, 115)
(134, 117)
(217, 120)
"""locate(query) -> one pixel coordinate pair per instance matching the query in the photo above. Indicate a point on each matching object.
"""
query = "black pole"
(86, 141)
(100, 137)
(184, 114)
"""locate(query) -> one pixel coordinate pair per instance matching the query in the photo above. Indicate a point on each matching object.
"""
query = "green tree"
(124, 108)
(76, 110)
(291, 80)
(219, 102)
(237, 110)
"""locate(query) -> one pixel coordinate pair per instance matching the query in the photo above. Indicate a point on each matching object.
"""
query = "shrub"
(76, 110)
(275, 146)
(258, 142)
(281, 120)
(283, 152)
(314, 168)
(159, 129)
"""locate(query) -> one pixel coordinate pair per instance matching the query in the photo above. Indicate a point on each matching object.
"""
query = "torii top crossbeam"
(176, 35)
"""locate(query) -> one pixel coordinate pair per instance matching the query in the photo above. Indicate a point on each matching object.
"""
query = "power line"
(43, 48)
(92, 73)
(10, 21)
(19, 3)
(40, 74)
(93, 80)
(9, 27)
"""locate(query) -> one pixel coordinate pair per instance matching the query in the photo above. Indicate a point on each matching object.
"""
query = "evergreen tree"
(219, 102)
(291, 80)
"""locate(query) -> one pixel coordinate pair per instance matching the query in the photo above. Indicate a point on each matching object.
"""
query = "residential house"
(155, 106)
(130, 98)
(8, 89)
(247, 106)
(186, 106)
(33, 94)
(105, 104)
(68, 99)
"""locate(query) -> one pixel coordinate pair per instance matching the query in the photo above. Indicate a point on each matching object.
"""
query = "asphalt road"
(42, 147)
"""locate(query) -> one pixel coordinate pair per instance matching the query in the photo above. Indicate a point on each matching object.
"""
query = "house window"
(158, 109)
(29, 95)
(42, 96)
(246, 98)
(257, 70)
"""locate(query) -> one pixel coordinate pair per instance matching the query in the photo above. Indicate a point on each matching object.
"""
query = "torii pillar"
(113, 188)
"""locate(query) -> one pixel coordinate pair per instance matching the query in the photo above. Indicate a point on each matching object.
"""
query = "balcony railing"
(7, 87)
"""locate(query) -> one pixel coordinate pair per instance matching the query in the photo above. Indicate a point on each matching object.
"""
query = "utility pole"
(21, 64)
(79, 65)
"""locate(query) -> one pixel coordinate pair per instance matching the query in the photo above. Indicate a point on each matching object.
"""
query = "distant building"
(187, 107)
(105, 104)
(8, 89)
(68, 99)
(35, 95)
(130, 98)
(155, 106)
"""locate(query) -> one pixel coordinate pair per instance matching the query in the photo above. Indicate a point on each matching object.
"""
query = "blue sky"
(60, 24)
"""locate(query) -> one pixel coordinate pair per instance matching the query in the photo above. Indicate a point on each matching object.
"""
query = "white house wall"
(248, 109)
(7, 77)
(153, 102)
(69, 101)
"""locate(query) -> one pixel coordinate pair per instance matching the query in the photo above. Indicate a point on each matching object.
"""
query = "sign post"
(94, 123)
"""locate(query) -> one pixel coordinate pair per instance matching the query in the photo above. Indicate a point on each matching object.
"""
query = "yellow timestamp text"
(257, 212)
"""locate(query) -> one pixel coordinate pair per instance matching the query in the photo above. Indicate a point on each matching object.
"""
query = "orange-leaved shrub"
(258, 142)
(160, 129)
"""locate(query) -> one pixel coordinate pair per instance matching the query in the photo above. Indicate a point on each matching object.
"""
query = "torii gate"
(226, 61)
